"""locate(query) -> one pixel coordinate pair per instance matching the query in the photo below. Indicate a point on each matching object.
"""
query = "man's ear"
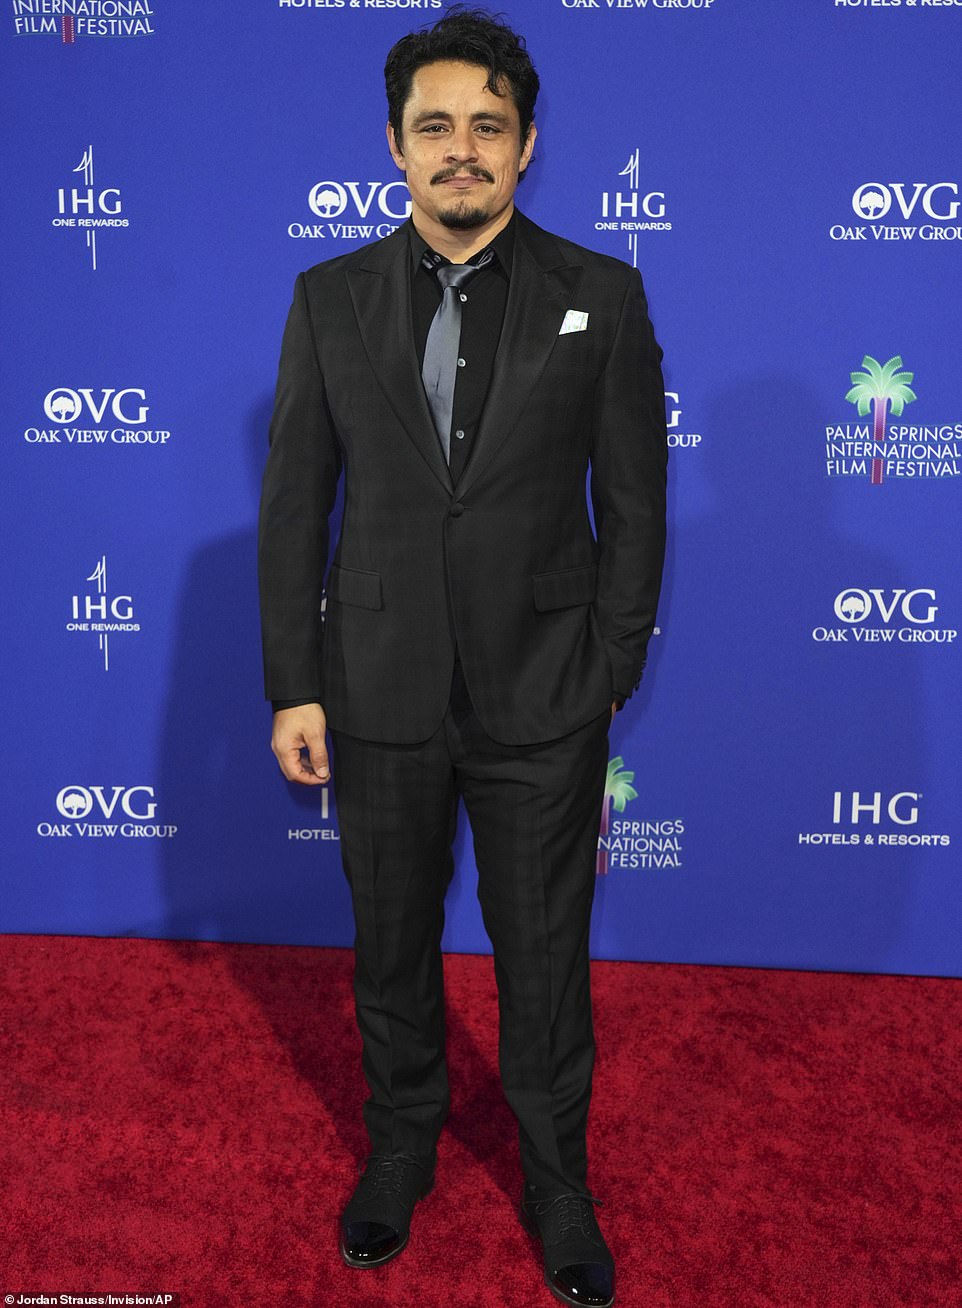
(528, 148)
(396, 152)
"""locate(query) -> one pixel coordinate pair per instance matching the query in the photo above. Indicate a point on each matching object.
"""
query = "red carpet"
(185, 1118)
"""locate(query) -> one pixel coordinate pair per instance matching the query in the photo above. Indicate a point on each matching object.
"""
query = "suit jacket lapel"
(381, 292)
(540, 290)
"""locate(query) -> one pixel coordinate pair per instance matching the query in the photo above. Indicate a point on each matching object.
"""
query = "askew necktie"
(440, 367)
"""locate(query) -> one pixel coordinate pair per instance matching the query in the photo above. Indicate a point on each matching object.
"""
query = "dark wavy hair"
(471, 36)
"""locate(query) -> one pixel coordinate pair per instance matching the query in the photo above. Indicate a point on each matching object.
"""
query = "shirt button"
(460, 434)
(460, 363)
(464, 298)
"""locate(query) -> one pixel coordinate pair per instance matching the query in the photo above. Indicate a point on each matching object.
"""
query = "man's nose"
(462, 144)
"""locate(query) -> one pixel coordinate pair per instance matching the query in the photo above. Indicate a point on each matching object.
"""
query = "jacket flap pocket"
(350, 586)
(558, 590)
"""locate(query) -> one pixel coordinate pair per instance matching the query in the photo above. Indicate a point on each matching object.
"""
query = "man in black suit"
(463, 375)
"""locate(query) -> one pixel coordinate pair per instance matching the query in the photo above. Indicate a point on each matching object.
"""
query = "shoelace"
(385, 1172)
(572, 1213)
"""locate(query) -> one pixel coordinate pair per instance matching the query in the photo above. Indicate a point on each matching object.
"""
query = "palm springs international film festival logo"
(630, 210)
(97, 612)
(627, 843)
(87, 208)
(875, 615)
(881, 449)
(105, 812)
(902, 211)
(69, 20)
(353, 211)
(122, 412)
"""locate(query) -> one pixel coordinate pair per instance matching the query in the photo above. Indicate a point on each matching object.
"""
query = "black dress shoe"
(578, 1266)
(377, 1220)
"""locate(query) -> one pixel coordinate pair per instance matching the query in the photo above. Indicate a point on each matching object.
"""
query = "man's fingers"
(295, 767)
(318, 755)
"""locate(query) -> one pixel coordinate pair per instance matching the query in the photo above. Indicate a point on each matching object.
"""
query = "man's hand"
(614, 710)
(296, 729)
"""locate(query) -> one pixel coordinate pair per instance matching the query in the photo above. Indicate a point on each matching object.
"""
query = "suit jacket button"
(456, 509)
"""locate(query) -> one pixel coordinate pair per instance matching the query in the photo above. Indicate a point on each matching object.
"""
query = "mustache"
(471, 170)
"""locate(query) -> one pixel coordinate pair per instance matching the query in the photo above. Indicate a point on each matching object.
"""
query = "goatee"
(461, 220)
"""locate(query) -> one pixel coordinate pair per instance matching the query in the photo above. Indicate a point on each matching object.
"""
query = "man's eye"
(433, 127)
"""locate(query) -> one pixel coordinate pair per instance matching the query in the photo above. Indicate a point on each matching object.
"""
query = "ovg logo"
(103, 812)
(926, 210)
(89, 207)
(354, 210)
(64, 404)
(638, 6)
(874, 201)
(127, 406)
(102, 613)
(873, 615)
(70, 19)
(80, 801)
(677, 438)
(631, 210)
(633, 843)
(881, 449)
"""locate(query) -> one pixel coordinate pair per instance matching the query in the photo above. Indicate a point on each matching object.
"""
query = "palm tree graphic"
(879, 385)
(618, 791)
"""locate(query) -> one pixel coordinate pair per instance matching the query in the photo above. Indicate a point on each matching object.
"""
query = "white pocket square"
(575, 321)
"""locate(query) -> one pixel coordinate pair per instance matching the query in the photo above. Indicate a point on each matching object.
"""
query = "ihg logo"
(901, 808)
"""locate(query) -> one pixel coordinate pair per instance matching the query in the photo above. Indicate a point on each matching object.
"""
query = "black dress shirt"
(483, 303)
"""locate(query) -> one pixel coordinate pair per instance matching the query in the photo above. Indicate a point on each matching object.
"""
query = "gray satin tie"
(440, 368)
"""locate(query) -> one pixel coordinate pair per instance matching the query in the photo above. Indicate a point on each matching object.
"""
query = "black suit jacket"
(550, 622)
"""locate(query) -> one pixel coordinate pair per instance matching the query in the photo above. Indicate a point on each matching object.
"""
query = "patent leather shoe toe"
(578, 1266)
(376, 1223)
(588, 1283)
(367, 1244)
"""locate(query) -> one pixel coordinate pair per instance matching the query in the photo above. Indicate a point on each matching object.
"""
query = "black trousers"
(534, 812)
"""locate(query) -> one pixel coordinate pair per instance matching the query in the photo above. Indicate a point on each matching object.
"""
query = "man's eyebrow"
(484, 115)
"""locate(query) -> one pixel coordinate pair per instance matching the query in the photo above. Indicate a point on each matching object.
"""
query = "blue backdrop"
(784, 788)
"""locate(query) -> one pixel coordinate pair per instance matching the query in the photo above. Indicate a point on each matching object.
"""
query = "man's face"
(462, 149)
